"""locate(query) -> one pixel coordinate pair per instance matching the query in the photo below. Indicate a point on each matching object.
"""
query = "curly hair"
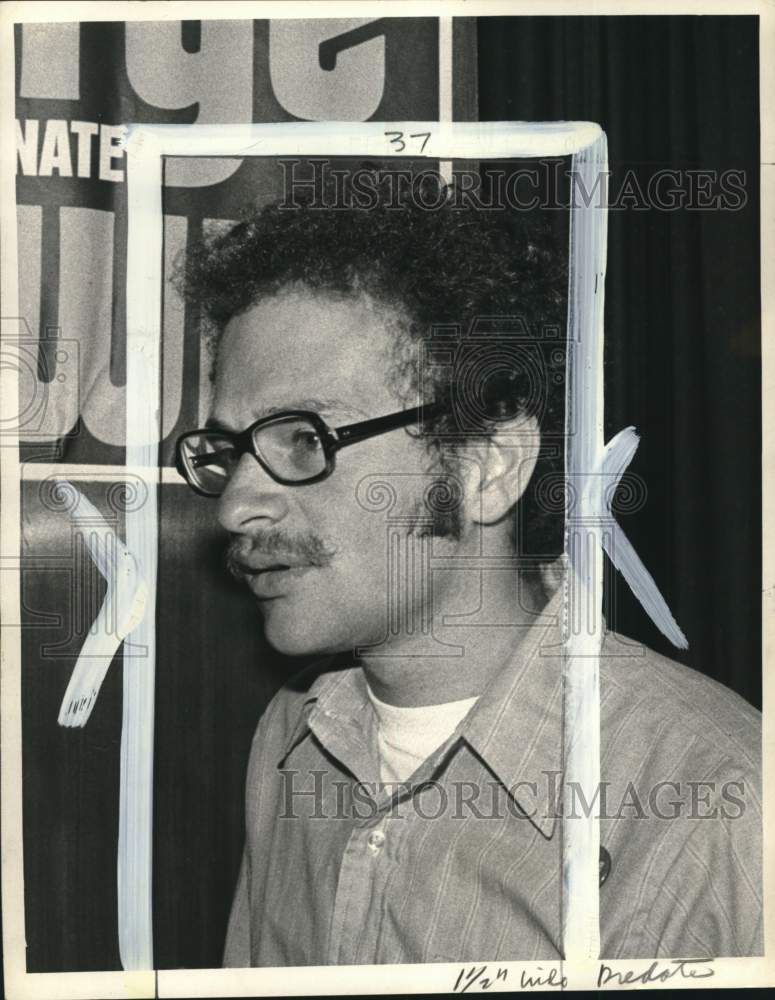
(490, 284)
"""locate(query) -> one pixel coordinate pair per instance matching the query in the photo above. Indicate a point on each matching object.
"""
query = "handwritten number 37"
(397, 140)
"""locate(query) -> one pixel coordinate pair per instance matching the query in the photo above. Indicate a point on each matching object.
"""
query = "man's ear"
(506, 462)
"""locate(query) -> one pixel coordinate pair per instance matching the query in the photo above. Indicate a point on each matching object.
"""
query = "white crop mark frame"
(591, 466)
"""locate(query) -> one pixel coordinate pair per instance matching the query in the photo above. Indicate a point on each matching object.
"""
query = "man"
(384, 447)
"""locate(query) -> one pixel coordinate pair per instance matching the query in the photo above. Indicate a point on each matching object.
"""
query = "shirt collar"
(338, 711)
(515, 727)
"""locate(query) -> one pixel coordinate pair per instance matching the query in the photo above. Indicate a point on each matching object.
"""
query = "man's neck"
(403, 673)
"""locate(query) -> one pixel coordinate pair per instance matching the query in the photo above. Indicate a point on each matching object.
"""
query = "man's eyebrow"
(329, 405)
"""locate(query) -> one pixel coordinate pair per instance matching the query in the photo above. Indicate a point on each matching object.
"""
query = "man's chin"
(295, 626)
(293, 646)
(292, 639)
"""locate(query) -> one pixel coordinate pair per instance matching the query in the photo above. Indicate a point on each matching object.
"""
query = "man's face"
(311, 351)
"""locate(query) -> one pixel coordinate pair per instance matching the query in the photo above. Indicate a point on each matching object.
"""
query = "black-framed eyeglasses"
(294, 447)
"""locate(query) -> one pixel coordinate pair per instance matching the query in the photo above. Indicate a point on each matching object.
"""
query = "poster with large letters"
(77, 84)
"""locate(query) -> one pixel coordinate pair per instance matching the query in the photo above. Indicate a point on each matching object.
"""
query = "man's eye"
(306, 440)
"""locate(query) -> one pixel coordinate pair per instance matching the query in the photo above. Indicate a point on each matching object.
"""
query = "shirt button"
(375, 841)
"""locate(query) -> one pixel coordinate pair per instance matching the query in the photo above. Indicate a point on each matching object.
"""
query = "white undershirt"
(408, 736)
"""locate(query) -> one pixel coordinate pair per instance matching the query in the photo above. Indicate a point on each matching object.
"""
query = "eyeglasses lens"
(209, 460)
(290, 447)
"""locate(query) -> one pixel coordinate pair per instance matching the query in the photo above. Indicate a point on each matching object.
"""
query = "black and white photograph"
(387, 587)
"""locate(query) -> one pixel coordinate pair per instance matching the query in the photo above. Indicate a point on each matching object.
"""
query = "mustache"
(304, 548)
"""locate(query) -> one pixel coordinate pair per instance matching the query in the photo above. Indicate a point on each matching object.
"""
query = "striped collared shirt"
(462, 862)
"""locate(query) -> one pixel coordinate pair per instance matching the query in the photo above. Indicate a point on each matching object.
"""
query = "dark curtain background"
(682, 314)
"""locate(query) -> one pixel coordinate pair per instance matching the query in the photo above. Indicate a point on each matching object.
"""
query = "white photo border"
(308, 981)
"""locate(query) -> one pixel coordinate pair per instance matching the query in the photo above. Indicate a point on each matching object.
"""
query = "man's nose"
(252, 498)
